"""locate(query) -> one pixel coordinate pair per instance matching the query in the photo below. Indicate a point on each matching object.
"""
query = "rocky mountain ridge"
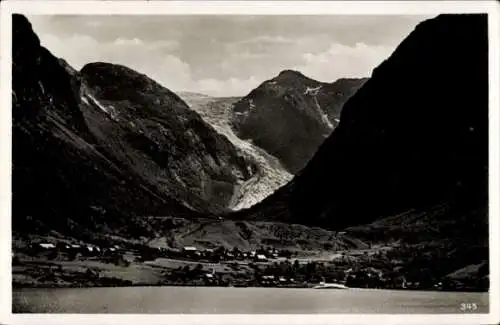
(290, 115)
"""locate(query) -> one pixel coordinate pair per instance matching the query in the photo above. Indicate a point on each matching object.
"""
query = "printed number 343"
(468, 306)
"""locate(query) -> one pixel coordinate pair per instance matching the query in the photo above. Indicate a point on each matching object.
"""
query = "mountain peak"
(290, 115)
(288, 74)
(25, 42)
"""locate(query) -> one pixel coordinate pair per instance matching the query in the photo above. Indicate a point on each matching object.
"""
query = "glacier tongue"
(271, 174)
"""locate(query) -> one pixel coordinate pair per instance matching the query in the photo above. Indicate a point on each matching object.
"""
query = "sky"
(226, 55)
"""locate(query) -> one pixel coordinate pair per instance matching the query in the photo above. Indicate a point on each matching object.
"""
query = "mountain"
(269, 172)
(102, 147)
(291, 115)
(413, 136)
(318, 108)
(159, 136)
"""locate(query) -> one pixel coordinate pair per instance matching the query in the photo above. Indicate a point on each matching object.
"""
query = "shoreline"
(20, 287)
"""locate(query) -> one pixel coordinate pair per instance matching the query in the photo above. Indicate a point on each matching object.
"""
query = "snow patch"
(109, 110)
(85, 100)
(41, 87)
(324, 119)
(312, 91)
(251, 104)
(104, 109)
(322, 114)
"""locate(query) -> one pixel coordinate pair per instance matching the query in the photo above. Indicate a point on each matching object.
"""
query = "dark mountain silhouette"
(291, 115)
(413, 136)
(96, 148)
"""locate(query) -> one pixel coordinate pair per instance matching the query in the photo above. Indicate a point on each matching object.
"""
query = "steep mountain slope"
(58, 175)
(290, 115)
(415, 135)
(270, 173)
(158, 136)
(96, 149)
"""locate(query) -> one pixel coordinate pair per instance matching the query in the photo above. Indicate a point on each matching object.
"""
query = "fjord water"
(216, 300)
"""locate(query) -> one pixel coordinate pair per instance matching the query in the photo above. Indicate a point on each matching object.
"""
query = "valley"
(378, 182)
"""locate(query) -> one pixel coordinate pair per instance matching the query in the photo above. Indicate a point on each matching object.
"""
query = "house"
(189, 249)
(37, 248)
(109, 251)
(46, 245)
(208, 252)
(91, 250)
(260, 258)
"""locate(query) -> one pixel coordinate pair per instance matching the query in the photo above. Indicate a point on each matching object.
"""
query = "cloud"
(267, 39)
(341, 61)
(125, 41)
(226, 55)
(149, 58)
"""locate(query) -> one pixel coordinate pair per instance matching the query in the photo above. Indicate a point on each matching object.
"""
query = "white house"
(47, 245)
(261, 257)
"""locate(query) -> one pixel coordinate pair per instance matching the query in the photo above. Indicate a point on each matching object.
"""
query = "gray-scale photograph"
(250, 164)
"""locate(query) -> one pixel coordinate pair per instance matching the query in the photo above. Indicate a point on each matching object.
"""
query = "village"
(70, 264)
(144, 253)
